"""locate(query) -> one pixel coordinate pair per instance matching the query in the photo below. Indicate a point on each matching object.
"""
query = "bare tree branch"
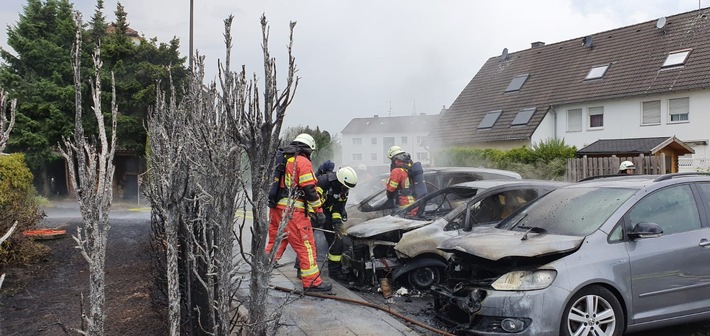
(91, 173)
(5, 127)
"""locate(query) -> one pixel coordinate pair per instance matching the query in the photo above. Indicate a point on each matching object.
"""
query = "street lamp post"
(192, 3)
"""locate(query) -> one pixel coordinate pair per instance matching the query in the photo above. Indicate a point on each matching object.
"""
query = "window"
(705, 190)
(574, 120)
(489, 119)
(419, 140)
(387, 142)
(373, 156)
(523, 117)
(498, 206)
(374, 141)
(651, 112)
(596, 117)
(357, 157)
(516, 83)
(676, 58)
(403, 140)
(678, 109)
(597, 72)
(357, 141)
(671, 208)
(422, 156)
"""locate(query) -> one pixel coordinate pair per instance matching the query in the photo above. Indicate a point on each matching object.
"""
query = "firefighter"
(626, 168)
(335, 187)
(298, 175)
(399, 189)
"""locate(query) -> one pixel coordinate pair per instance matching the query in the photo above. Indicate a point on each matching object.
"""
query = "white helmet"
(394, 150)
(347, 177)
(362, 167)
(627, 165)
(306, 139)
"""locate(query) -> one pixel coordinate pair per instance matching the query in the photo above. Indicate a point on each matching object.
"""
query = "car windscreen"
(569, 211)
(437, 204)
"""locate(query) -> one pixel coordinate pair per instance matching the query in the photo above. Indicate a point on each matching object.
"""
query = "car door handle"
(704, 243)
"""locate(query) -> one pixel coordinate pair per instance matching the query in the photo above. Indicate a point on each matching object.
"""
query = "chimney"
(537, 44)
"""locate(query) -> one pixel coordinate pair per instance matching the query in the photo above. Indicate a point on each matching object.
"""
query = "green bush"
(545, 160)
(18, 202)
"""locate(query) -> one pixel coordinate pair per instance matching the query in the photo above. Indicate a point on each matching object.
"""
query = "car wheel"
(424, 277)
(593, 311)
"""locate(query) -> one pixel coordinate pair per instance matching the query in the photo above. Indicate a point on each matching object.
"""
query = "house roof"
(636, 146)
(556, 75)
(395, 125)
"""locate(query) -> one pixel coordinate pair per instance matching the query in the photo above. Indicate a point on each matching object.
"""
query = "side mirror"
(645, 230)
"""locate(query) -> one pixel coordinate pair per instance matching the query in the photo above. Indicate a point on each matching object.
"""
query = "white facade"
(371, 149)
(682, 114)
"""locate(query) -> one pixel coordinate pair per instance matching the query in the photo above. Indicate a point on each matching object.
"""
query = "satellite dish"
(504, 55)
(661, 22)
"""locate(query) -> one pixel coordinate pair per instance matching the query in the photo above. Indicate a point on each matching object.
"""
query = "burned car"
(601, 257)
(371, 205)
(402, 246)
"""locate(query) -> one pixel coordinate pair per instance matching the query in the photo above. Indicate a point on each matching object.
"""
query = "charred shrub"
(18, 202)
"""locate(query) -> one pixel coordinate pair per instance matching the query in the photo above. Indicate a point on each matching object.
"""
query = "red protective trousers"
(300, 237)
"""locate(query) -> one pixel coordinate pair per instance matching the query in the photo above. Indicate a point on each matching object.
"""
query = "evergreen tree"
(39, 75)
(97, 25)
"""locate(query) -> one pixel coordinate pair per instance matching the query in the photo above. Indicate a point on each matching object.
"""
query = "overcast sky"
(358, 58)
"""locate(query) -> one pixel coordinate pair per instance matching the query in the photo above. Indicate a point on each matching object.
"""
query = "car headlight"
(525, 280)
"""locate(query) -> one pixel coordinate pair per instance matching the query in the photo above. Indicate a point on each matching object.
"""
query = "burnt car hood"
(381, 225)
(496, 244)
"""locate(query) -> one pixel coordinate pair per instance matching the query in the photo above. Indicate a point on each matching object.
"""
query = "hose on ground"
(384, 309)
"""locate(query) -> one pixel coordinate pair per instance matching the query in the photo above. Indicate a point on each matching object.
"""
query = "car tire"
(593, 307)
(424, 277)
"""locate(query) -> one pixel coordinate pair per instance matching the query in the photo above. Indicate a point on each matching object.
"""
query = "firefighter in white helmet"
(334, 188)
(400, 191)
(298, 175)
(627, 168)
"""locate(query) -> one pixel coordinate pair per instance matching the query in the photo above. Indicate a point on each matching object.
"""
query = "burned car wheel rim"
(591, 315)
(423, 278)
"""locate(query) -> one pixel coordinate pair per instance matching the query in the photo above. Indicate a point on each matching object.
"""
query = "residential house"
(366, 140)
(650, 79)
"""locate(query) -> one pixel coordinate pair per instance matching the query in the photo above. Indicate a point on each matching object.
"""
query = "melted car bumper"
(477, 311)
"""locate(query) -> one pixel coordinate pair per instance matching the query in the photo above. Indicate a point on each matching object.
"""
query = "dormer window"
(489, 119)
(676, 58)
(597, 72)
(516, 83)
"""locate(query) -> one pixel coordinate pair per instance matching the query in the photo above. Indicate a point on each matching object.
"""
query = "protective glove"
(338, 229)
(318, 219)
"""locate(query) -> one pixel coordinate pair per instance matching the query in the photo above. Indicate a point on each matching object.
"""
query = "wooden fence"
(580, 168)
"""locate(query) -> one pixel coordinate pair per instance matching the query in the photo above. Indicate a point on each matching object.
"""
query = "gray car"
(601, 257)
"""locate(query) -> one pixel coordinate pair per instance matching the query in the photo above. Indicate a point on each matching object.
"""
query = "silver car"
(370, 205)
(602, 257)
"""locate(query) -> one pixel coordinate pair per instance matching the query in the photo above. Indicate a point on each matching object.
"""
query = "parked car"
(403, 245)
(601, 257)
(370, 206)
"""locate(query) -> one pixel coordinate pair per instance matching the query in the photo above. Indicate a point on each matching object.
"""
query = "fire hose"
(384, 309)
